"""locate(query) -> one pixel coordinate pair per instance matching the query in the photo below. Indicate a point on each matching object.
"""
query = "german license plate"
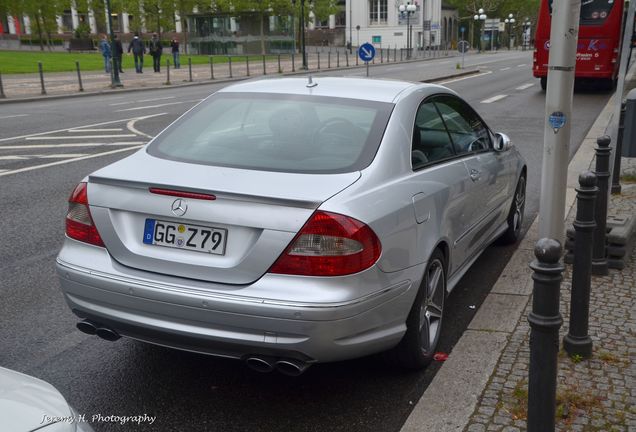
(185, 236)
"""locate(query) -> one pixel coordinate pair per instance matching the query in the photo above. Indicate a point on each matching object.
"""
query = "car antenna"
(311, 83)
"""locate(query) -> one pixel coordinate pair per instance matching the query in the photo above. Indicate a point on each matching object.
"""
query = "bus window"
(592, 11)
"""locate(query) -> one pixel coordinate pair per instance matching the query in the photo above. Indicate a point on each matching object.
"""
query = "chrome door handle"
(475, 175)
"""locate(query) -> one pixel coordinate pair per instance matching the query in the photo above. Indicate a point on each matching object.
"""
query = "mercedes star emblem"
(179, 207)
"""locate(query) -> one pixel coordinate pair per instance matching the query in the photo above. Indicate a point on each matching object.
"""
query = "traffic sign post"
(366, 53)
(463, 46)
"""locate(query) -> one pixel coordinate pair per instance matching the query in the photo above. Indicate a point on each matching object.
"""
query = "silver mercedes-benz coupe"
(292, 221)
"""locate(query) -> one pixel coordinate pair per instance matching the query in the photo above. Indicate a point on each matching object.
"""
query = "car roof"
(378, 90)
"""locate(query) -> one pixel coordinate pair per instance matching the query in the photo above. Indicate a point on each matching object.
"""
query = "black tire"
(515, 215)
(417, 347)
(544, 83)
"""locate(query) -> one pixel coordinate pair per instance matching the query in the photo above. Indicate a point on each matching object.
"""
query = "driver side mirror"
(502, 142)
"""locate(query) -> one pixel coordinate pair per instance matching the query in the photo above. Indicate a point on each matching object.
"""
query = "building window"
(378, 12)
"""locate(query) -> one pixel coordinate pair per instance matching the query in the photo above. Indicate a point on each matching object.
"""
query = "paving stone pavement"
(592, 395)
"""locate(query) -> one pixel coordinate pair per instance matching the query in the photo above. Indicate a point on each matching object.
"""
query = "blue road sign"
(366, 52)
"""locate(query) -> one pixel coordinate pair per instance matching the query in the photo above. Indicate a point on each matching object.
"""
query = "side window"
(430, 138)
(468, 132)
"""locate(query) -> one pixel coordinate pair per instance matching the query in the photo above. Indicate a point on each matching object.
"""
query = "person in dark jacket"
(174, 45)
(155, 50)
(138, 49)
(117, 55)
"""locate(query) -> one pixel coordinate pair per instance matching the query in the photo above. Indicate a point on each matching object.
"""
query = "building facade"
(381, 23)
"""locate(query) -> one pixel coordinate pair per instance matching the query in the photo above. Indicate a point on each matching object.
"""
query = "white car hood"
(25, 400)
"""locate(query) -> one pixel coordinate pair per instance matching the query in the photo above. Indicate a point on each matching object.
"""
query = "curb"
(220, 81)
(450, 400)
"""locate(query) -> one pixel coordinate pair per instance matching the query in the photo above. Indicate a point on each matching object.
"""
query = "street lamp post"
(114, 82)
(526, 33)
(510, 21)
(350, 26)
(408, 10)
(302, 31)
(481, 16)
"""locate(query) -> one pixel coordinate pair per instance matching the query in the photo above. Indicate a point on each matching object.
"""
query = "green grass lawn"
(15, 62)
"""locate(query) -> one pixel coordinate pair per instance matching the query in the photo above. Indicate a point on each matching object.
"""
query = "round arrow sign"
(463, 46)
(366, 52)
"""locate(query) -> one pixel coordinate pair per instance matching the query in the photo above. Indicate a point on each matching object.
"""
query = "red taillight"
(79, 223)
(330, 244)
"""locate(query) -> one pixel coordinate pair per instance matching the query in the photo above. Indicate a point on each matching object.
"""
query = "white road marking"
(525, 86)
(3, 170)
(42, 146)
(12, 157)
(14, 116)
(79, 137)
(494, 99)
(522, 65)
(504, 69)
(96, 130)
(77, 127)
(143, 100)
(131, 127)
(36, 167)
(465, 78)
(159, 105)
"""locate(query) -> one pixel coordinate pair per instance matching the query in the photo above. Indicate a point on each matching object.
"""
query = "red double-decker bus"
(598, 49)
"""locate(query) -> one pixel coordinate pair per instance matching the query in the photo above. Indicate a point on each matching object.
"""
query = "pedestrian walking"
(155, 50)
(117, 54)
(104, 47)
(138, 49)
(174, 44)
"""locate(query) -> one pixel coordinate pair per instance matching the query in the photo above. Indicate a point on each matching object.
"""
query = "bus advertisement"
(598, 49)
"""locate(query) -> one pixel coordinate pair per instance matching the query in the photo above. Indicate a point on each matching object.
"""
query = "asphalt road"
(47, 147)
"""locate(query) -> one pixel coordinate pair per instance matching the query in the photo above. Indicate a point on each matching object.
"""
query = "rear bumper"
(229, 325)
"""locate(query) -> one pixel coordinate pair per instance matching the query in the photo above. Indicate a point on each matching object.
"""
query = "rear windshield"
(273, 132)
(593, 12)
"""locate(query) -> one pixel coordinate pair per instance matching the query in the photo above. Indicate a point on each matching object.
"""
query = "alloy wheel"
(432, 307)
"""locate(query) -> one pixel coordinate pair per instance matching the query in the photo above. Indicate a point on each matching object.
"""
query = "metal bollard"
(329, 60)
(545, 321)
(381, 56)
(347, 58)
(337, 59)
(280, 70)
(293, 59)
(577, 341)
(247, 65)
(318, 54)
(401, 55)
(616, 175)
(264, 66)
(2, 95)
(190, 69)
(211, 67)
(357, 55)
(229, 62)
(599, 256)
(168, 72)
(41, 77)
(79, 77)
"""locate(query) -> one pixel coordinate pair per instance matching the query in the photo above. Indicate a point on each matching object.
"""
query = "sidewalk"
(21, 86)
(483, 385)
